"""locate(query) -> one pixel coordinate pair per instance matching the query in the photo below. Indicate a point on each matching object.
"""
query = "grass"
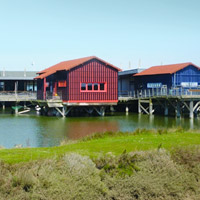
(152, 174)
(101, 144)
(153, 165)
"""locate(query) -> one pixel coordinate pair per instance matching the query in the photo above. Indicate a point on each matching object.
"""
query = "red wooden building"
(88, 80)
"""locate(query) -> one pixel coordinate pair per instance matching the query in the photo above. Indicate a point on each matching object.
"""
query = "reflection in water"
(35, 131)
(166, 121)
(191, 124)
(178, 121)
(79, 129)
(151, 121)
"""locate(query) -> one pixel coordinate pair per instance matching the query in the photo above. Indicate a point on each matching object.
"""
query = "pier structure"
(56, 106)
(172, 101)
(18, 100)
(17, 88)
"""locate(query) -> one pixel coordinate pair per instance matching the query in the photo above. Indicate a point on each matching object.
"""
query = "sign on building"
(154, 85)
(189, 84)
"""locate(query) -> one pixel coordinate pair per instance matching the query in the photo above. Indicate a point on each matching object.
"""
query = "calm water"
(39, 131)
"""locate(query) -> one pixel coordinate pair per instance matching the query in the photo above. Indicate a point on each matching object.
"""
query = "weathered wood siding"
(93, 71)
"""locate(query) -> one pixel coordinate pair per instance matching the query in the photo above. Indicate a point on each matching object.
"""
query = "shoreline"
(102, 143)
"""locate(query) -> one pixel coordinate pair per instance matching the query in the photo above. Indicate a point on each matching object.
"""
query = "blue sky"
(119, 31)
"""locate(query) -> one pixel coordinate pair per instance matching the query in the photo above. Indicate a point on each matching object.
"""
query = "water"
(40, 131)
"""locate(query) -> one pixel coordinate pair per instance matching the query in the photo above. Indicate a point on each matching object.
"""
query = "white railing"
(156, 92)
(17, 96)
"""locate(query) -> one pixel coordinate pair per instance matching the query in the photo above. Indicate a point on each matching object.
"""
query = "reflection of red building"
(84, 80)
(79, 129)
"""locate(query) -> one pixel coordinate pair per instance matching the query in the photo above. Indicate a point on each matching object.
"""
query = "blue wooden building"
(175, 76)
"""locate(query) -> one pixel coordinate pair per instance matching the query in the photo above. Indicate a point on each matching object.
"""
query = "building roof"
(67, 65)
(165, 69)
(17, 75)
(130, 72)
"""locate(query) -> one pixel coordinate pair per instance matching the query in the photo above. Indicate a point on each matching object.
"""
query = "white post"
(191, 110)
(166, 109)
(139, 108)
(4, 106)
(127, 109)
(63, 111)
(178, 110)
(150, 107)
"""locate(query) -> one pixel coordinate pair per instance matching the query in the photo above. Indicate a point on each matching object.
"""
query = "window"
(102, 86)
(93, 87)
(96, 86)
(89, 86)
(62, 83)
(1, 86)
(29, 86)
(83, 86)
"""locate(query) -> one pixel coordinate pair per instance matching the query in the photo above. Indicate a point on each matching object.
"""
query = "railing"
(19, 95)
(156, 92)
(53, 96)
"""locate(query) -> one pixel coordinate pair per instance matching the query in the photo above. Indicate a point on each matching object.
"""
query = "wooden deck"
(17, 96)
(182, 101)
(160, 94)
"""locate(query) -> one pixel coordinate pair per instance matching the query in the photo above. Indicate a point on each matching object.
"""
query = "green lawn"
(94, 147)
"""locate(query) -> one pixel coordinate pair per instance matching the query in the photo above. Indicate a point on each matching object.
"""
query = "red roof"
(67, 65)
(165, 69)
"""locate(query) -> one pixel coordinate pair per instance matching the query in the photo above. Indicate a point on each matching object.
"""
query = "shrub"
(118, 165)
(145, 175)
(159, 178)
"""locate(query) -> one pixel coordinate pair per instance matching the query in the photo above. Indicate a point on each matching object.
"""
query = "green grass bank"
(143, 165)
(102, 143)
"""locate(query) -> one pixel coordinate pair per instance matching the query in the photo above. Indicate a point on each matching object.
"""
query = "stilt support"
(127, 109)
(3, 106)
(166, 109)
(178, 110)
(150, 107)
(89, 110)
(16, 109)
(62, 112)
(191, 110)
(101, 111)
(112, 109)
(139, 106)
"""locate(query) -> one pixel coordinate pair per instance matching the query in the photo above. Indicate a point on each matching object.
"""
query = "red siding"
(92, 72)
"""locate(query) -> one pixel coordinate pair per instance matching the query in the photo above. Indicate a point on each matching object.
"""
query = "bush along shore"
(158, 169)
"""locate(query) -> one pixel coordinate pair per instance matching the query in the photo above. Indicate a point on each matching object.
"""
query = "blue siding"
(141, 81)
(188, 74)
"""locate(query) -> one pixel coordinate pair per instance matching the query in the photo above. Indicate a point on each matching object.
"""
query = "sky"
(36, 34)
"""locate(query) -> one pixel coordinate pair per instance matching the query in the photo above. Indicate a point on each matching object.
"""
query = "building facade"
(126, 82)
(84, 80)
(183, 75)
(18, 81)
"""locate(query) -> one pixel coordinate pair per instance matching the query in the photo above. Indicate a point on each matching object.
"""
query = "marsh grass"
(145, 164)
(153, 175)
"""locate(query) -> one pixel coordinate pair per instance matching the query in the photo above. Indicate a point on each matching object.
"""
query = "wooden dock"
(180, 101)
(16, 98)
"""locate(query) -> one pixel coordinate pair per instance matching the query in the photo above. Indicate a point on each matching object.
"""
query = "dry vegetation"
(145, 175)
